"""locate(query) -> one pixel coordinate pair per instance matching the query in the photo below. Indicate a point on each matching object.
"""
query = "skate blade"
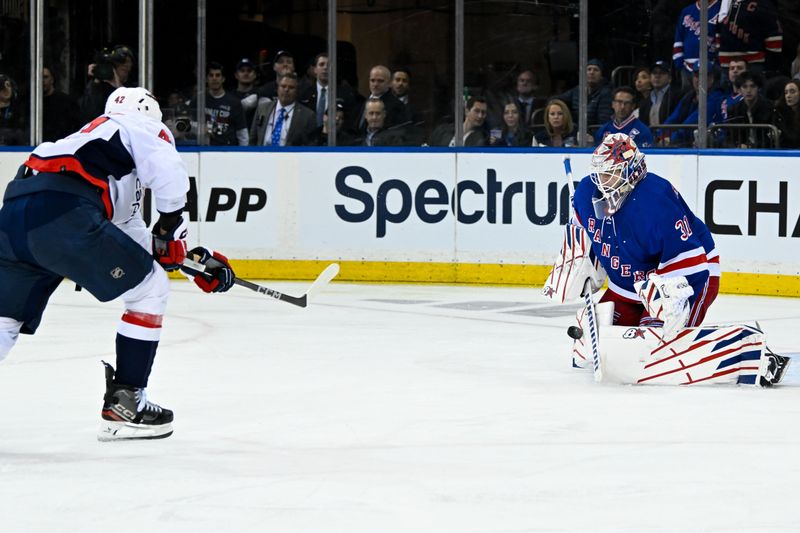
(782, 371)
(111, 431)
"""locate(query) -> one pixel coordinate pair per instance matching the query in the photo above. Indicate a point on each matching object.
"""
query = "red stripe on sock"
(145, 320)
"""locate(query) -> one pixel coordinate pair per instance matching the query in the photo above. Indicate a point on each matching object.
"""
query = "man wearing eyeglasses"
(622, 121)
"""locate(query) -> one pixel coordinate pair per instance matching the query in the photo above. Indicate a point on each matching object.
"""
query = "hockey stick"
(587, 289)
(330, 272)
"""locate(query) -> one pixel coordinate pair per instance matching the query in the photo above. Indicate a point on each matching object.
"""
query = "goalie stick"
(587, 290)
(330, 272)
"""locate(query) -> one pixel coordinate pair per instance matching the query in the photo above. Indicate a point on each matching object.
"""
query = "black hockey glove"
(218, 275)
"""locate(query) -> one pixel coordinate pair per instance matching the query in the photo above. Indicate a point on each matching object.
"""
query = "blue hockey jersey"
(686, 49)
(653, 231)
(632, 127)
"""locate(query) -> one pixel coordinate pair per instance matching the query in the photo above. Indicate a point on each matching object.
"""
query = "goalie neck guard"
(617, 166)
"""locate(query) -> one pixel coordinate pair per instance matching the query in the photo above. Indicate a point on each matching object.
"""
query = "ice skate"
(776, 369)
(127, 414)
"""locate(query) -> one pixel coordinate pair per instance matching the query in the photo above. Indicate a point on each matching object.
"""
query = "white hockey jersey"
(121, 154)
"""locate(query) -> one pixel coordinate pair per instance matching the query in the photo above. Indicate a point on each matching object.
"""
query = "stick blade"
(325, 277)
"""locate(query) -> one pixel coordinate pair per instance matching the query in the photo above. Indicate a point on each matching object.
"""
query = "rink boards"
(469, 216)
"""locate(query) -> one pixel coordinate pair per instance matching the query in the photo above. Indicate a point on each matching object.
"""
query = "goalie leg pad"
(696, 356)
(573, 265)
(581, 350)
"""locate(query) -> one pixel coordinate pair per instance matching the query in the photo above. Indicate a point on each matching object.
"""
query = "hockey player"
(634, 228)
(74, 210)
(640, 226)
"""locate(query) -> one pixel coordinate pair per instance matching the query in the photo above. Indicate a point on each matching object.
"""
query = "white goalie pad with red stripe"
(732, 354)
(581, 351)
(573, 266)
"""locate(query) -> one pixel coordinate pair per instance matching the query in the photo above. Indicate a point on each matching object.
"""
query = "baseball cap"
(282, 53)
(339, 105)
(245, 62)
(663, 65)
(596, 62)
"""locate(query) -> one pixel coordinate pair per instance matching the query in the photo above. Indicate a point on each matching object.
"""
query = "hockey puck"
(574, 332)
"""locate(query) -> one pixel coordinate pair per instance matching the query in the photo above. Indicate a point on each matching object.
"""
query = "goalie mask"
(133, 100)
(617, 166)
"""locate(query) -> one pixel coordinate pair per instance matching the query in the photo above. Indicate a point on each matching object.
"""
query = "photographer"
(12, 114)
(110, 70)
(179, 118)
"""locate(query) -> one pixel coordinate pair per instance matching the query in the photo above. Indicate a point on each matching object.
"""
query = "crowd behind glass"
(283, 101)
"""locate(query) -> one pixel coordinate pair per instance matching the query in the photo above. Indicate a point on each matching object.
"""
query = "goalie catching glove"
(666, 299)
(169, 241)
(218, 275)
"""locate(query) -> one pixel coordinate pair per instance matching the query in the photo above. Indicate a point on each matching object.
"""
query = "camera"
(103, 68)
(106, 59)
(183, 124)
(182, 118)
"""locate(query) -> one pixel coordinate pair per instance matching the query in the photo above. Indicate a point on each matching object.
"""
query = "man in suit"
(315, 96)
(283, 122)
(379, 87)
(401, 83)
(377, 134)
(663, 97)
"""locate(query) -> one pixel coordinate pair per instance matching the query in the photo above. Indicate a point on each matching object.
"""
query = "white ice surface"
(356, 415)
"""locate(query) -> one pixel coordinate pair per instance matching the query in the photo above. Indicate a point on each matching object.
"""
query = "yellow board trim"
(477, 273)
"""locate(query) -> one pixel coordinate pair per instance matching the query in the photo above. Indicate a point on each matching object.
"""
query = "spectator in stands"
(282, 122)
(12, 114)
(641, 81)
(474, 118)
(225, 122)
(598, 107)
(60, 113)
(315, 96)
(282, 64)
(246, 91)
(109, 71)
(377, 134)
(686, 113)
(623, 121)
(559, 129)
(751, 29)
(663, 97)
(124, 66)
(686, 50)
(752, 109)
(343, 138)
(380, 87)
(401, 84)
(513, 132)
(524, 95)
(787, 115)
(736, 66)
